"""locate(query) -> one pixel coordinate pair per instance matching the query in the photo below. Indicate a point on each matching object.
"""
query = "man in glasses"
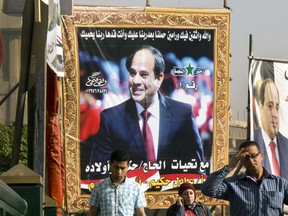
(255, 192)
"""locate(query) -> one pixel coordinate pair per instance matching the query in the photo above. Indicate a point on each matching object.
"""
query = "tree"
(6, 142)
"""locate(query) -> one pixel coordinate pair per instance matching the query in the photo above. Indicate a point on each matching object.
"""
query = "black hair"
(249, 143)
(159, 64)
(120, 155)
(262, 89)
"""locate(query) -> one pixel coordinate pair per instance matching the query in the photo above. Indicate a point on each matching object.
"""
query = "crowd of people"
(254, 192)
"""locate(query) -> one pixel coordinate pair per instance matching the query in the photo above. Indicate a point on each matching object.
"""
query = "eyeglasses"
(252, 156)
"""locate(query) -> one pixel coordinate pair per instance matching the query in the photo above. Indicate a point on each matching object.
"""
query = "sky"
(265, 20)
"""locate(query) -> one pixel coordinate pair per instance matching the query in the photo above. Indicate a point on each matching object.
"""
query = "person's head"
(146, 68)
(119, 164)
(187, 192)
(269, 107)
(253, 160)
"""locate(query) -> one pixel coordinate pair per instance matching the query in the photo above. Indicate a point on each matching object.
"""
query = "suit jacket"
(119, 129)
(282, 143)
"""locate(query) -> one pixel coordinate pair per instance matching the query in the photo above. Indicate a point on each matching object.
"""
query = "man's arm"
(214, 186)
(140, 202)
(93, 211)
(140, 211)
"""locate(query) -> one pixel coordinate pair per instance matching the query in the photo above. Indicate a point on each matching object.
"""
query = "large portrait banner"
(268, 89)
(121, 61)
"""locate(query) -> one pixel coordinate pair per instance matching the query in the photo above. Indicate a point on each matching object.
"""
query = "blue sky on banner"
(264, 19)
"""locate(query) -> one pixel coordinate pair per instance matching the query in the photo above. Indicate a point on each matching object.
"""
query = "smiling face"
(270, 110)
(143, 84)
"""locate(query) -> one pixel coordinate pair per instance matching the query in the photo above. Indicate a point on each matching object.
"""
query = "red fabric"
(275, 163)
(89, 120)
(141, 174)
(184, 187)
(54, 149)
(147, 136)
(189, 212)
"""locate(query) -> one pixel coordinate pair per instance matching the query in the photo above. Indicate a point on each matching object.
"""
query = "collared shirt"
(248, 197)
(153, 121)
(121, 200)
(267, 141)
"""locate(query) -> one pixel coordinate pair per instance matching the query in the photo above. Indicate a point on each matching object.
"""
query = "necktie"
(274, 159)
(147, 137)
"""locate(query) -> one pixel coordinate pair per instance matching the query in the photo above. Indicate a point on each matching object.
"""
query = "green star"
(189, 69)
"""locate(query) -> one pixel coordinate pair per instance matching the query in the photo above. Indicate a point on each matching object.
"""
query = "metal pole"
(37, 8)
(9, 93)
(26, 41)
(248, 106)
(268, 59)
(147, 3)
(225, 5)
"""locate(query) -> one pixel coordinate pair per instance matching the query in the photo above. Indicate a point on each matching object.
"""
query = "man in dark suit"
(269, 131)
(177, 143)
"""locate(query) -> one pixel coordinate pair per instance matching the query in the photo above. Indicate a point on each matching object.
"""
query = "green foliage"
(6, 143)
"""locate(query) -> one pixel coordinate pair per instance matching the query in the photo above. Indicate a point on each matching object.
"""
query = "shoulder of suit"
(116, 108)
(280, 135)
(173, 102)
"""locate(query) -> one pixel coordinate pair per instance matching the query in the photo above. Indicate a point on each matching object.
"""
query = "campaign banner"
(268, 89)
(54, 48)
(105, 81)
(120, 62)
